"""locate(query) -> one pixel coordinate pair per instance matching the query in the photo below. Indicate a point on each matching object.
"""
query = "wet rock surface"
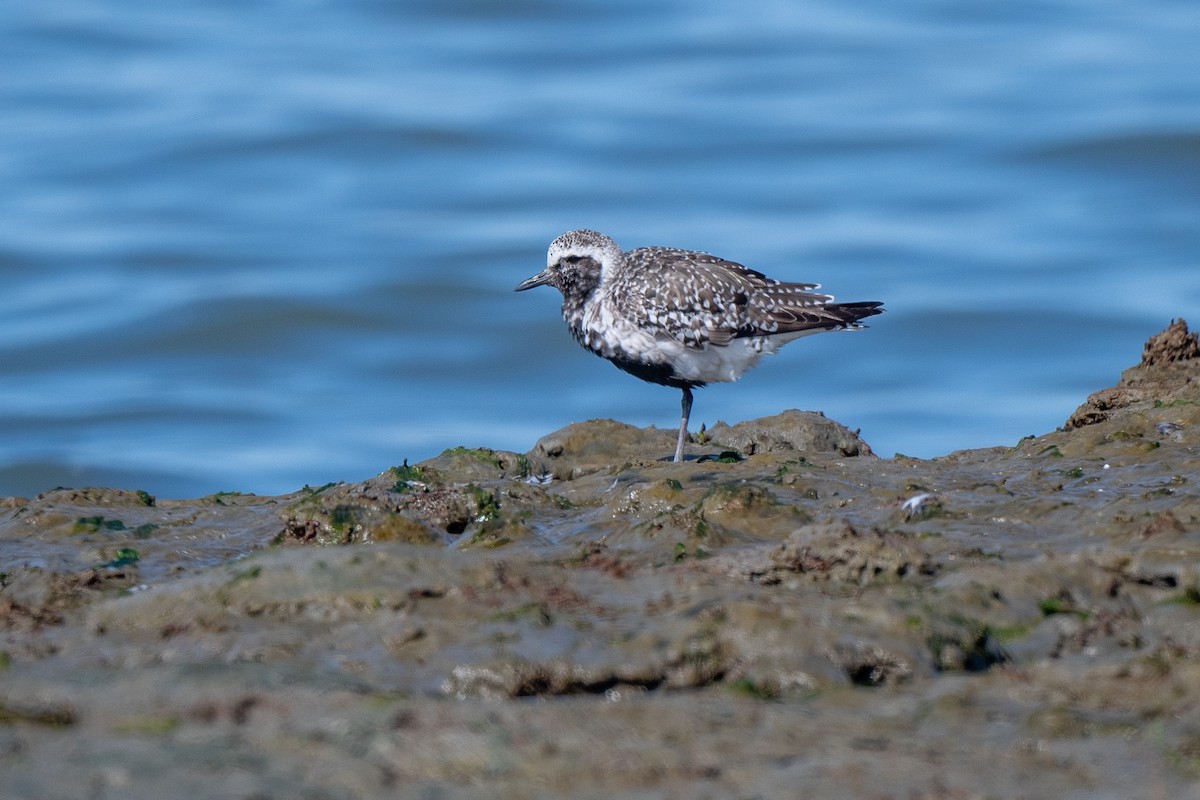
(782, 614)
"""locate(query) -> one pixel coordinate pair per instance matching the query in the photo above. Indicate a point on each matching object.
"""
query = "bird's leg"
(683, 424)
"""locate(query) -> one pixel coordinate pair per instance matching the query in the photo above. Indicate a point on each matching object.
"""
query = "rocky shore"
(784, 614)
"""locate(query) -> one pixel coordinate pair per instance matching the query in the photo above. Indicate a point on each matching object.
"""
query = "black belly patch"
(662, 374)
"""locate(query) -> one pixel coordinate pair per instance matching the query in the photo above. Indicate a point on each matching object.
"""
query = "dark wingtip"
(853, 312)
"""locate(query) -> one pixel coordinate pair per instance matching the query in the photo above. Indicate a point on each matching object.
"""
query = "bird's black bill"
(541, 279)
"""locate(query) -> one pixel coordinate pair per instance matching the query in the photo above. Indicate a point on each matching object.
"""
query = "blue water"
(252, 246)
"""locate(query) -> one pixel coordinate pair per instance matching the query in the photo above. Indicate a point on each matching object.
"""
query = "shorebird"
(681, 318)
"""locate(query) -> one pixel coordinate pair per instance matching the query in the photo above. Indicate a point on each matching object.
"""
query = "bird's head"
(576, 263)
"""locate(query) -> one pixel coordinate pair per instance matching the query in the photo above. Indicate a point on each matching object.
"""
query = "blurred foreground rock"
(783, 613)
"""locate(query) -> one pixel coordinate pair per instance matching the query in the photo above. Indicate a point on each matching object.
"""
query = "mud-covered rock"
(475, 464)
(832, 551)
(1161, 393)
(486, 495)
(790, 430)
(597, 445)
(1017, 621)
(1176, 343)
(32, 597)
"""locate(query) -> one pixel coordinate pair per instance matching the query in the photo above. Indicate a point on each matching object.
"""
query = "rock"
(1014, 621)
(1164, 384)
(791, 430)
(595, 445)
(1175, 343)
(834, 552)
(477, 464)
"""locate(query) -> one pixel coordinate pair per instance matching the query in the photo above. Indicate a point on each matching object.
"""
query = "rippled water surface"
(255, 246)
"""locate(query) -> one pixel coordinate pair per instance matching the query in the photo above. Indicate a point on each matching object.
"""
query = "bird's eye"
(573, 259)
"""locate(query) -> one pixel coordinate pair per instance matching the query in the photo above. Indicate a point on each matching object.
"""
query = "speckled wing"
(700, 299)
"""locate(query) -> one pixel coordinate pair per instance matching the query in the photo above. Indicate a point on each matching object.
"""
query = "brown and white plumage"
(681, 318)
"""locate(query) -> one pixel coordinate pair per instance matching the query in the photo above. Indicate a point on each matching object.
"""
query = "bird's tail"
(849, 314)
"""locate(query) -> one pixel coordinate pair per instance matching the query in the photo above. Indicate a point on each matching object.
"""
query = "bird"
(681, 318)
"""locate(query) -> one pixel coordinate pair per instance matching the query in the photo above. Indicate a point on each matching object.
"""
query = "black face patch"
(576, 277)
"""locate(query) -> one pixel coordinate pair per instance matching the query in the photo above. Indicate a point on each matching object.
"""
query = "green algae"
(96, 523)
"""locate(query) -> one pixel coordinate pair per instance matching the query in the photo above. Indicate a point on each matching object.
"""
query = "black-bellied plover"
(681, 318)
